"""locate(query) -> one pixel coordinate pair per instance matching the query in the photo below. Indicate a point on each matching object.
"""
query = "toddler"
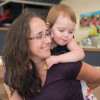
(61, 20)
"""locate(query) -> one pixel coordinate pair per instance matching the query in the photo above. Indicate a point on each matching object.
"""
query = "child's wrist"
(58, 59)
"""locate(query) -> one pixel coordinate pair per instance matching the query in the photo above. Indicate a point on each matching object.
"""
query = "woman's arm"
(92, 85)
(15, 95)
(89, 74)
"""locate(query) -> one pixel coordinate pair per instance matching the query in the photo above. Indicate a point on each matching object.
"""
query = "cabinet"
(92, 56)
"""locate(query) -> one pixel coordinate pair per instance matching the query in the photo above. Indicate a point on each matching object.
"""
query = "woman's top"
(60, 83)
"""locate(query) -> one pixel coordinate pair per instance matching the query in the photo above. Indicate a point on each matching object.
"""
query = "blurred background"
(87, 30)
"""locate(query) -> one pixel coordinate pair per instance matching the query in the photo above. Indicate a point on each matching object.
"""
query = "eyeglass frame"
(43, 36)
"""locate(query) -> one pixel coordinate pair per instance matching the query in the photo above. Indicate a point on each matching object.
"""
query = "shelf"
(91, 49)
(3, 28)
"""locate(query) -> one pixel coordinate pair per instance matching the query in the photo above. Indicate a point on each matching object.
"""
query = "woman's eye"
(39, 37)
(48, 34)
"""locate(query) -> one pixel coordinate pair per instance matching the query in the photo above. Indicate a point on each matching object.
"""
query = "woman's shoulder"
(70, 70)
(5, 78)
(69, 65)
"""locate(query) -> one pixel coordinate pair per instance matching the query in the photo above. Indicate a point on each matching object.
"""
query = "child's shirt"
(60, 49)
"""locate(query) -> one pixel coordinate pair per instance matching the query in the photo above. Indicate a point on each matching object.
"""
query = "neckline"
(45, 80)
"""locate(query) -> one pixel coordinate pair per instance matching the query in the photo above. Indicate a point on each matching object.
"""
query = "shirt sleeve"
(5, 78)
(71, 70)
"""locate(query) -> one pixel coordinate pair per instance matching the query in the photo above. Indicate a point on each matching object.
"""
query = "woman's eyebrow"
(42, 32)
(39, 33)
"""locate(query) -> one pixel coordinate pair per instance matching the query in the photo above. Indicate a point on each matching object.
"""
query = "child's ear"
(48, 25)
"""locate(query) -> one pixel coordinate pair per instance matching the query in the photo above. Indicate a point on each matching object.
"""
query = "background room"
(87, 32)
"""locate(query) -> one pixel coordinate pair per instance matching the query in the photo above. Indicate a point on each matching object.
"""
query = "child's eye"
(70, 32)
(61, 30)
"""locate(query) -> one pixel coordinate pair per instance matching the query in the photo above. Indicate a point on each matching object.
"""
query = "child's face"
(63, 30)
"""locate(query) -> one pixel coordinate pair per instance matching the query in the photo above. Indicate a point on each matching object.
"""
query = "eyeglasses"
(42, 36)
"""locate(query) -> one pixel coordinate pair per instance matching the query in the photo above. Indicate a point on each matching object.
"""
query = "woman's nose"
(48, 39)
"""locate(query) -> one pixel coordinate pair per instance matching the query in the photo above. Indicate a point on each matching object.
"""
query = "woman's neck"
(39, 63)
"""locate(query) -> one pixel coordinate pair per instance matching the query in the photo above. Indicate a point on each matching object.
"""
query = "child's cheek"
(70, 40)
(56, 38)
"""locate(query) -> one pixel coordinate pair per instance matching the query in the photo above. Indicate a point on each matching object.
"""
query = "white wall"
(82, 6)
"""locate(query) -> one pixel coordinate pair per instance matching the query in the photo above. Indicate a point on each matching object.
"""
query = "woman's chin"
(46, 56)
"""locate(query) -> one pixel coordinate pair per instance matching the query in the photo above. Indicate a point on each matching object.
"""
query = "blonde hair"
(56, 10)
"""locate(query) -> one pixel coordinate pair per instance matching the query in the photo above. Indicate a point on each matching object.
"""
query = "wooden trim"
(1, 60)
(23, 6)
(92, 49)
(3, 28)
(2, 70)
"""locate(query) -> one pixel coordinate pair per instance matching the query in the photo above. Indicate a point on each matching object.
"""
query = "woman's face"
(39, 47)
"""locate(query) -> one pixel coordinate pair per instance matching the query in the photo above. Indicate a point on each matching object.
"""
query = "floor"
(3, 95)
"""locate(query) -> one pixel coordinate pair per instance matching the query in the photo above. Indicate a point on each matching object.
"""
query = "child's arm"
(76, 53)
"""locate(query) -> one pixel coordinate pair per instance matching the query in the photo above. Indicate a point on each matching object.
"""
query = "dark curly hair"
(16, 58)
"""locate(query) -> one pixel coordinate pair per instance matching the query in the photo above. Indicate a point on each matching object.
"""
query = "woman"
(26, 48)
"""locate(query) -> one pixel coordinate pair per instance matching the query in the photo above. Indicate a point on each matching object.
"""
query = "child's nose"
(66, 34)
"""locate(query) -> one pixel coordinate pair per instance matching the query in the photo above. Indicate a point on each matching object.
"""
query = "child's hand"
(51, 60)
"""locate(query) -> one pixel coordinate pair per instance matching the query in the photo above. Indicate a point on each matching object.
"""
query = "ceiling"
(32, 2)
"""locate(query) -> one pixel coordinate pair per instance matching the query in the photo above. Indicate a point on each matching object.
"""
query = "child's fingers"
(48, 62)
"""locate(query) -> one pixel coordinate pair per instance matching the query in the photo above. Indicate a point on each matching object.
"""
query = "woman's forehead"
(37, 25)
(36, 21)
